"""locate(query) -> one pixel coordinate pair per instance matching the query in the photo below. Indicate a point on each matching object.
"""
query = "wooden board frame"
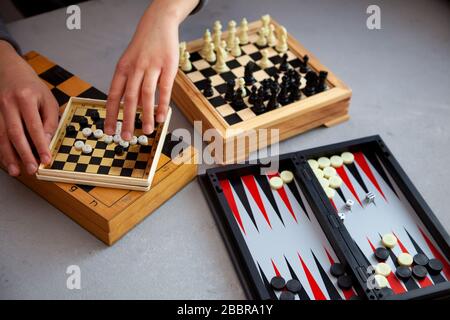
(142, 184)
(107, 213)
(290, 119)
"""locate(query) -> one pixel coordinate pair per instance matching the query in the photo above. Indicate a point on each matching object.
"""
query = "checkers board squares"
(202, 70)
(133, 169)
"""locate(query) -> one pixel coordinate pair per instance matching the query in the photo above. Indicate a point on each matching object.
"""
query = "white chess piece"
(236, 50)
(206, 41)
(241, 85)
(261, 41)
(211, 55)
(182, 48)
(271, 39)
(243, 31)
(217, 33)
(264, 62)
(281, 40)
(220, 65)
(231, 34)
(223, 45)
(265, 20)
(187, 65)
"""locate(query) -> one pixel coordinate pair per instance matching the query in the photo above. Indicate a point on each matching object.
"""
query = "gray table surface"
(400, 81)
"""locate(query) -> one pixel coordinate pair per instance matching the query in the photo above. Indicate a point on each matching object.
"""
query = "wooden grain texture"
(290, 120)
(107, 213)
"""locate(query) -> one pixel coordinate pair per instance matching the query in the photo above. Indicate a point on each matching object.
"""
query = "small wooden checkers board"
(107, 213)
(133, 170)
(327, 108)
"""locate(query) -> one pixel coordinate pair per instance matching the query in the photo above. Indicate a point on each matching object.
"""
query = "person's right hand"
(25, 104)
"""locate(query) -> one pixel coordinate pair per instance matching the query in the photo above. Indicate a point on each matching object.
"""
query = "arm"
(150, 61)
(26, 105)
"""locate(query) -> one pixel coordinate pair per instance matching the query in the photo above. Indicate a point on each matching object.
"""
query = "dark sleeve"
(4, 35)
(201, 4)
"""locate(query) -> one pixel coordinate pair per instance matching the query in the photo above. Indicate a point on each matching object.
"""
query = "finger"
(30, 115)
(148, 101)
(165, 90)
(9, 158)
(131, 100)
(49, 113)
(16, 135)
(113, 102)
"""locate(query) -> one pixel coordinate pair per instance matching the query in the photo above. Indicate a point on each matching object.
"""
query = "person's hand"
(26, 105)
(150, 61)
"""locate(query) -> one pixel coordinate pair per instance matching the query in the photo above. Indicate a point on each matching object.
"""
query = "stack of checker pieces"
(107, 213)
(326, 108)
(133, 169)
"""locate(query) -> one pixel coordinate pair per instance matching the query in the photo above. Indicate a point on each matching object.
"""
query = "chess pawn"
(264, 62)
(182, 48)
(206, 41)
(210, 55)
(271, 39)
(223, 45)
(261, 41)
(186, 65)
(231, 34)
(281, 40)
(243, 31)
(236, 51)
(241, 86)
(265, 20)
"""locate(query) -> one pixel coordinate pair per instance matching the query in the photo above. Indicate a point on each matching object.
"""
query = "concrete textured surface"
(400, 81)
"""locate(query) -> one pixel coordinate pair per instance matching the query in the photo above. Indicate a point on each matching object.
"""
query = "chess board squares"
(246, 114)
(225, 110)
(55, 75)
(201, 64)
(249, 48)
(196, 76)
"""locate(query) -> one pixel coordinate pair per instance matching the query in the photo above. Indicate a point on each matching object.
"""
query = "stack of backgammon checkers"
(325, 170)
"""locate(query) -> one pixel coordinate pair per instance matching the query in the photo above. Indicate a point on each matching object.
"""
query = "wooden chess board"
(325, 108)
(297, 231)
(133, 169)
(107, 213)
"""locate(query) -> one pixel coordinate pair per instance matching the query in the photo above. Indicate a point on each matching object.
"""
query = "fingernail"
(148, 129)
(126, 136)
(13, 170)
(45, 159)
(31, 168)
(160, 118)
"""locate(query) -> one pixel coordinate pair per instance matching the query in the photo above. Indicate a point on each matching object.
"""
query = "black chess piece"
(304, 66)
(229, 94)
(259, 107)
(273, 103)
(309, 90)
(238, 102)
(248, 73)
(276, 77)
(295, 94)
(284, 65)
(283, 97)
(253, 95)
(208, 90)
(322, 82)
(311, 79)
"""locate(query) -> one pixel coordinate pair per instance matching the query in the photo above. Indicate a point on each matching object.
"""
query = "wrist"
(175, 10)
